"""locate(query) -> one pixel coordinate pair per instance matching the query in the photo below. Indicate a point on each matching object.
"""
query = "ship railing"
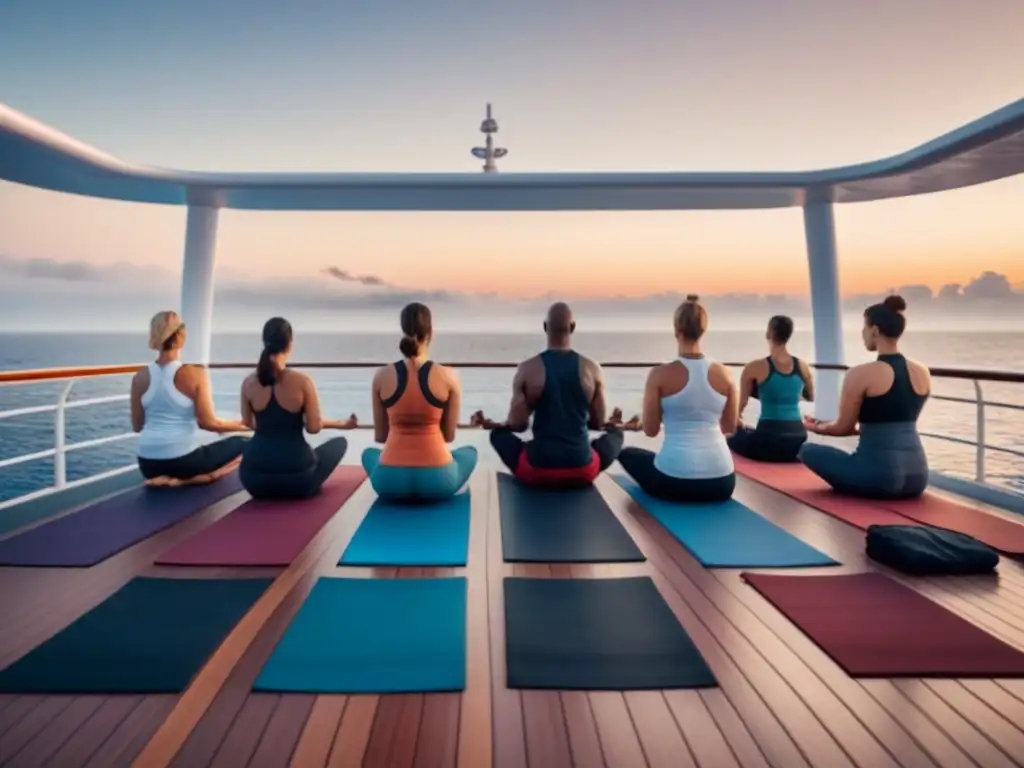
(69, 376)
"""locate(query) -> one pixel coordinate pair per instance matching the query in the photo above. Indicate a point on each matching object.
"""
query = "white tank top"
(170, 430)
(694, 447)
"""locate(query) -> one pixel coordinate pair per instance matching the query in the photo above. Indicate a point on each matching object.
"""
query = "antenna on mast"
(489, 153)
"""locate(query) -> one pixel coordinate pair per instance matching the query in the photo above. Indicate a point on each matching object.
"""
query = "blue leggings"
(890, 475)
(420, 484)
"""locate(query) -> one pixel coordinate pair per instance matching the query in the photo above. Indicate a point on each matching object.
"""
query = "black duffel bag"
(924, 551)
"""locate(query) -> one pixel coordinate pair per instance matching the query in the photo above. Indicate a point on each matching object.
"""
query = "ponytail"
(277, 338)
(265, 369)
(408, 346)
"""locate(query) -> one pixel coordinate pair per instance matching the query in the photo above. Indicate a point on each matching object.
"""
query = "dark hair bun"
(895, 302)
(408, 346)
(692, 297)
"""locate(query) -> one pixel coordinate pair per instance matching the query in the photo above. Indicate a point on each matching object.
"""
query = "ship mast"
(489, 153)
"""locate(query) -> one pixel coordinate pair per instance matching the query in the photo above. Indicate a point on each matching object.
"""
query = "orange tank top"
(414, 418)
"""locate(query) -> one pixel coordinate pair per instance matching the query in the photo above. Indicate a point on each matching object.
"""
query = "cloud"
(347, 277)
(75, 271)
(45, 284)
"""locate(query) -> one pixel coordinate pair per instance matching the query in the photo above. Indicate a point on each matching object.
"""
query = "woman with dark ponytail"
(880, 402)
(280, 404)
(415, 414)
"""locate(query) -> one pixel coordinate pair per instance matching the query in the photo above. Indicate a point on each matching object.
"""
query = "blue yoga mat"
(373, 636)
(727, 534)
(412, 535)
(103, 529)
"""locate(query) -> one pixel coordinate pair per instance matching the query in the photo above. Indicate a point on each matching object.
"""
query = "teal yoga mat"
(727, 534)
(151, 636)
(373, 636)
(410, 535)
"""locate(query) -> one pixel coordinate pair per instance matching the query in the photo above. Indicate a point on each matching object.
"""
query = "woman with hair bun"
(282, 404)
(415, 415)
(697, 402)
(885, 399)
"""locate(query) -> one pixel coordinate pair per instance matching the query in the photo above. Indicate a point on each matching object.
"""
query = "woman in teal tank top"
(779, 381)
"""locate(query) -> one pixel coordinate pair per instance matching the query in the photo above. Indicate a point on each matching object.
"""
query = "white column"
(826, 307)
(197, 282)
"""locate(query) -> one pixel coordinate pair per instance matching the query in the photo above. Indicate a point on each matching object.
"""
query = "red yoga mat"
(800, 483)
(873, 626)
(267, 532)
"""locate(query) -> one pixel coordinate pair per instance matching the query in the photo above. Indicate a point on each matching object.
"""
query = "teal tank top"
(780, 393)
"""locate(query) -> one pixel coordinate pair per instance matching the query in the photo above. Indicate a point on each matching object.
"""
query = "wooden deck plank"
(279, 738)
(354, 732)
(438, 745)
(395, 731)
(733, 731)
(584, 743)
(475, 728)
(314, 746)
(241, 740)
(77, 750)
(22, 732)
(17, 710)
(38, 751)
(509, 731)
(660, 738)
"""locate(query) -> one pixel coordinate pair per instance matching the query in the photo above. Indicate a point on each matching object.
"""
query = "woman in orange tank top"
(415, 413)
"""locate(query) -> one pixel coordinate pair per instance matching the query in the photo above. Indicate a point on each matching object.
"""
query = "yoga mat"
(560, 526)
(52, 504)
(1002, 535)
(597, 634)
(96, 532)
(873, 626)
(373, 636)
(800, 483)
(412, 535)
(264, 531)
(151, 636)
(727, 534)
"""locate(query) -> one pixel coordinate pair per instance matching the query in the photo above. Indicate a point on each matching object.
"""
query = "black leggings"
(639, 464)
(295, 485)
(202, 461)
(508, 445)
(772, 441)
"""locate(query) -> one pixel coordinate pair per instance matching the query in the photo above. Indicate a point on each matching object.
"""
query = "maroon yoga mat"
(267, 532)
(798, 482)
(873, 626)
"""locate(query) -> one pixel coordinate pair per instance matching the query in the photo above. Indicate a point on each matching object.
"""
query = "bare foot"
(616, 418)
(477, 419)
(162, 482)
(633, 424)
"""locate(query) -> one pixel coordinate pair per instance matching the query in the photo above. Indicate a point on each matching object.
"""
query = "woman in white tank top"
(695, 400)
(170, 404)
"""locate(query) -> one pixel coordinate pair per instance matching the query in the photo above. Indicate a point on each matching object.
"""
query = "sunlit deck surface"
(781, 702)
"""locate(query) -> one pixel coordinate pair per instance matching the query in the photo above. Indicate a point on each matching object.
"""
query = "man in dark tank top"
(564, 393)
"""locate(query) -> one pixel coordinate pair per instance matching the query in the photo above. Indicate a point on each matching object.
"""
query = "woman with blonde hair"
(170, 404)
(695, 399)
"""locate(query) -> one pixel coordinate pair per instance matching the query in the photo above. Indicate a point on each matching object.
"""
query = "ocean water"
(347, 391)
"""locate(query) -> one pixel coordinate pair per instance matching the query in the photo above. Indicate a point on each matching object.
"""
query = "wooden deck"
(782, 702)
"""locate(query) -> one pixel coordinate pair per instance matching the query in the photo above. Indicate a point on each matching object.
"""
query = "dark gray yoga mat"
(597, 634)
(540, 525)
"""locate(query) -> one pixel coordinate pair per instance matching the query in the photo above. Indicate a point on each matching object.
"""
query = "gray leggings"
(889, 463)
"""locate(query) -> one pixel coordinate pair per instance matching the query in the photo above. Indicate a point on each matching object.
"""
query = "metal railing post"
(60, 472)
(979, 451)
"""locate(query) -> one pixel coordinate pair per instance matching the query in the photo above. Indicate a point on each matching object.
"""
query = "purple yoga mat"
(267, 532)
(96, 532)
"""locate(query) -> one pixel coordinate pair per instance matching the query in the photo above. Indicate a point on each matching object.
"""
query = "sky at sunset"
(400, 85)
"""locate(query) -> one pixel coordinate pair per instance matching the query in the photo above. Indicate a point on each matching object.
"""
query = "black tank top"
(560, 436)
(900, 404)
(279, 444)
